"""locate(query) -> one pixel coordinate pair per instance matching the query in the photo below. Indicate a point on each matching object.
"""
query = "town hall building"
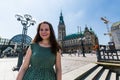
(86, 39)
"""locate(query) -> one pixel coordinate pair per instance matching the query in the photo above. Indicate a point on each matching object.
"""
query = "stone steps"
(113, 76)
(91, 71)
(104, 74)
(100, 74)
(92, 75)
(77, 72)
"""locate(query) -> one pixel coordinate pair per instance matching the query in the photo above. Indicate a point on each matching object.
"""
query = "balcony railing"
(109, 55)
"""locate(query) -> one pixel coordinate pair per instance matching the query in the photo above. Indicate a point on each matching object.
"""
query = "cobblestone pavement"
(69, 63)
(6, 65)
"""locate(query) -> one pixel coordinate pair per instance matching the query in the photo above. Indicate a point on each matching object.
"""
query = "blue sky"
(75, 13)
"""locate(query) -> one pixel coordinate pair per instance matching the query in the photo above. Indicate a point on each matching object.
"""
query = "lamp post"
(81, 39)
(82, 46)
(26, 22)
(108, 30)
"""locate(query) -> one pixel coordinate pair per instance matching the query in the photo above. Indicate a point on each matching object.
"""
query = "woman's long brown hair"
(55, 47)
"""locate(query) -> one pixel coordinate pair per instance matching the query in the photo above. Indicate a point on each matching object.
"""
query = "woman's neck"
(45, 42)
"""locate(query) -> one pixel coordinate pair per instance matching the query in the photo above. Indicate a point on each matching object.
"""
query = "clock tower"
(61, 29)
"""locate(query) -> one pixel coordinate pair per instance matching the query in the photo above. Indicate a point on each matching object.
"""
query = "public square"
(69, 63)
(90, 28)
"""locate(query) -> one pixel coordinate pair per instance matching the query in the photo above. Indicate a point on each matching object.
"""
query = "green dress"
(41, 64)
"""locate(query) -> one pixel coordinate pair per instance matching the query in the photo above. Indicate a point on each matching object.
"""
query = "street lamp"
(26, 22)
(82, 46)
(108, 31)
(81, 39)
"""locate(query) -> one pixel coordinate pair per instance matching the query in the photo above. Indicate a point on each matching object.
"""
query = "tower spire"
(61, 28)
(61, 21)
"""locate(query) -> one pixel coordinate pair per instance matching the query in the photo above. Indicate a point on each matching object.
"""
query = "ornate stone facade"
(73, 42)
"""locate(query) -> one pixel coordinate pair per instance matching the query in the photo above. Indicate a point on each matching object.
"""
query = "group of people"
(77, 52)
(43, 57)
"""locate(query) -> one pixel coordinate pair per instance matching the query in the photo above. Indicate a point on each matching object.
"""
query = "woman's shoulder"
(32, 44)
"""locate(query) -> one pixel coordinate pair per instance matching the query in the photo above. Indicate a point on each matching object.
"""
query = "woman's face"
(44, 31)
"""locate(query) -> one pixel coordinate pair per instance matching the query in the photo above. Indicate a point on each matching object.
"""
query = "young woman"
(41, 56)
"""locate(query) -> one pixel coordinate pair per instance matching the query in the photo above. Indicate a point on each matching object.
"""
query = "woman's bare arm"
(25, 65)
(58, 66)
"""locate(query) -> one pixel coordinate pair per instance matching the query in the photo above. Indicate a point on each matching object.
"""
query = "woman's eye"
(41, 29)
(46, 29)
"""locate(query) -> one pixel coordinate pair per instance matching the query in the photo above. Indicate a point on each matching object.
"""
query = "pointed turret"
(61, 28)
(61, 21)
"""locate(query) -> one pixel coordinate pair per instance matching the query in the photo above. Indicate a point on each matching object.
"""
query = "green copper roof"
(73, 36)
(116, 24)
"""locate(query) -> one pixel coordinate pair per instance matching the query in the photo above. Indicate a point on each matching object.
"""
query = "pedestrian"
(43, 54)
(78, 52)
(70, 53)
